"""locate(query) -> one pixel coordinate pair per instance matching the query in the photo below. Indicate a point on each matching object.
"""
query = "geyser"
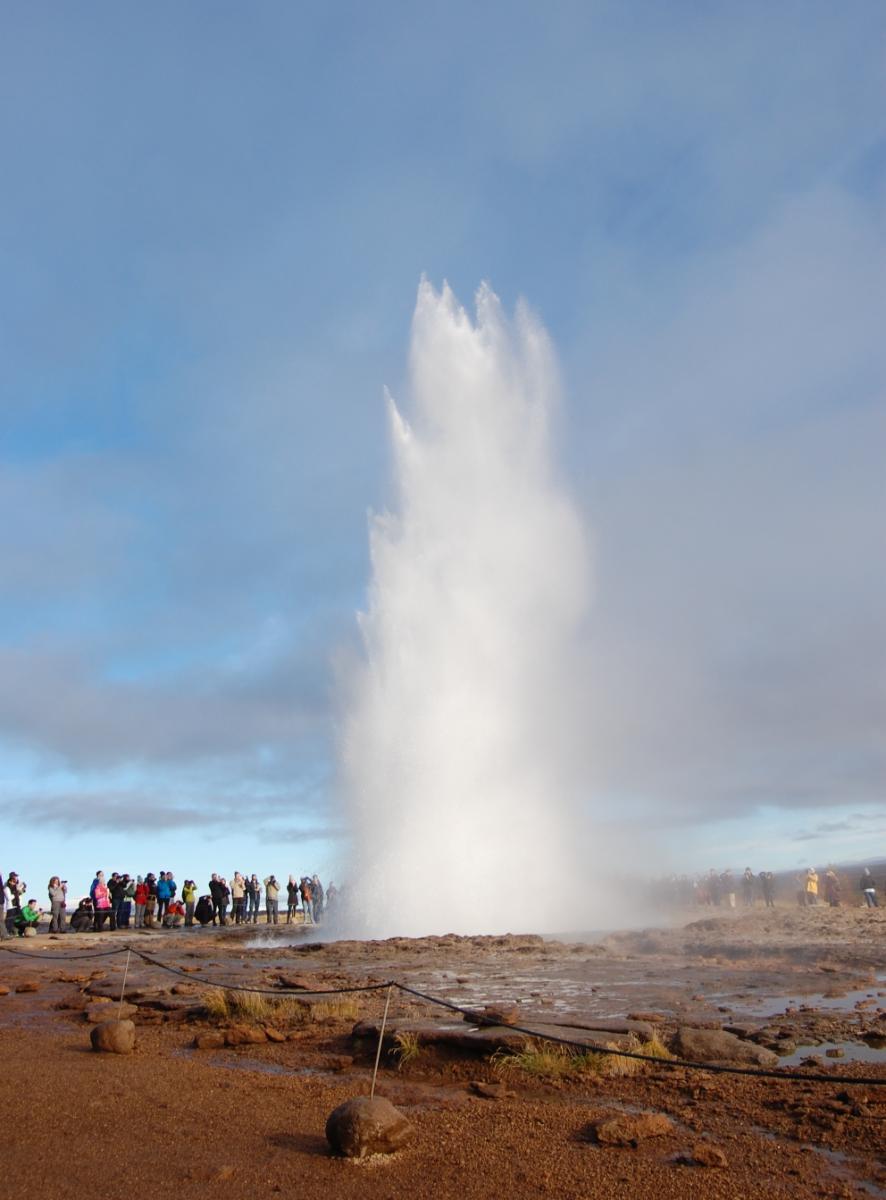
(461, 741)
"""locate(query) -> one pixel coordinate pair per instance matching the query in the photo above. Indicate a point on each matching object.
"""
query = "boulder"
(113, 1037)
(364, 1126)
(628, 1129)
(4, 991)
(716, 1045)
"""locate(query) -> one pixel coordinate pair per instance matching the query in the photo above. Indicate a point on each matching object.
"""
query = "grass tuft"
(255, 1008)
(407, 1048)
(550, 1061)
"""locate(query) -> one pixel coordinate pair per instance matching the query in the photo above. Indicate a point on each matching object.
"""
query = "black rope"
(65, 957)
(682, 1063)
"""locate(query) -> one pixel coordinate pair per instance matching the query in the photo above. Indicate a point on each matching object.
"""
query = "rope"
(65, 957)
(682, 1063)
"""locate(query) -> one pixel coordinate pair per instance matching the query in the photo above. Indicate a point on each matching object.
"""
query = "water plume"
(462, 736)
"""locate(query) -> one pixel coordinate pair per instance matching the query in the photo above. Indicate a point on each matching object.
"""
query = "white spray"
(461, 741)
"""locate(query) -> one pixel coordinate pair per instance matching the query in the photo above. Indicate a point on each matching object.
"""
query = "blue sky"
(213, 220)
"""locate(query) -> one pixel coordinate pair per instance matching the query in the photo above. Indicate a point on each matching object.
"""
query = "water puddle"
(851, 1052)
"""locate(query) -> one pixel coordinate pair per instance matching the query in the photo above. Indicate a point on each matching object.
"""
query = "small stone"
(364, 1126)
(704, 1154)
(627, 1129)
(209, 1041)
(4, 991)
(114, 1037)
(490, 1091)
(835, 1052)
(244, 1035)
(28, 985)
(274, 1035)
(223, 1173)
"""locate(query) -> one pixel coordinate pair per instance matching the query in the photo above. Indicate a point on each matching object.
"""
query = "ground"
(251, 1117)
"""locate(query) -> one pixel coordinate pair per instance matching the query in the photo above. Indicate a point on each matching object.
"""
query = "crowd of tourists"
(123, 901)
(809, 888)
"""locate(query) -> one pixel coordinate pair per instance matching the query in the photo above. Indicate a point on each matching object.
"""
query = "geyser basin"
(461, 744)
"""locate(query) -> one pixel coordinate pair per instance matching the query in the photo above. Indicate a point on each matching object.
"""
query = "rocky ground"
(225, 1094)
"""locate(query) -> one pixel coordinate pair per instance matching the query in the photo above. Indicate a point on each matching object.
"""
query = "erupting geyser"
(460, 746)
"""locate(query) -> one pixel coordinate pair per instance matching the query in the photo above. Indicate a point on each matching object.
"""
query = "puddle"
(852, 1052)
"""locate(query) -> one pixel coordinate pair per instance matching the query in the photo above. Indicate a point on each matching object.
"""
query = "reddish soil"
(251, 1117)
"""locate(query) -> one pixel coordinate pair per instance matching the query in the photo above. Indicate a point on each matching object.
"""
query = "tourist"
(164, 895)
(17, 888)
(189, 896)
(174, 917)
(58, 892)
(217, 892)
(28, 919)
(747, 888)
(151, 903)
(203, 911)
(291, 899)
(832, 888)
(4, 932)
(101, 903)
(83, 917)
(317, 896)
(254, 892)
(142, 891)
(868, 888)
(272, 891)
(238, 897)
(811, 886)
(225, 901)
(117, 886)
(307, 900)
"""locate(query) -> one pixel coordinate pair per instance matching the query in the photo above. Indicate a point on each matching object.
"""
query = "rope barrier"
(684, 1064)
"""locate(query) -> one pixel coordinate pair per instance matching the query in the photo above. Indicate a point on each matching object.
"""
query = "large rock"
(114, 1037)
(361, 1126)
(628, 1129)
(716, 1045)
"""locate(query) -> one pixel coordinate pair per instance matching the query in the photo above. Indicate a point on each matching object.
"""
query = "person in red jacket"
(142, 891)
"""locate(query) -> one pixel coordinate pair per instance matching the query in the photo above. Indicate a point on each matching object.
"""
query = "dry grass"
(407, 1048)
(256, 1008)
(550, 1061)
